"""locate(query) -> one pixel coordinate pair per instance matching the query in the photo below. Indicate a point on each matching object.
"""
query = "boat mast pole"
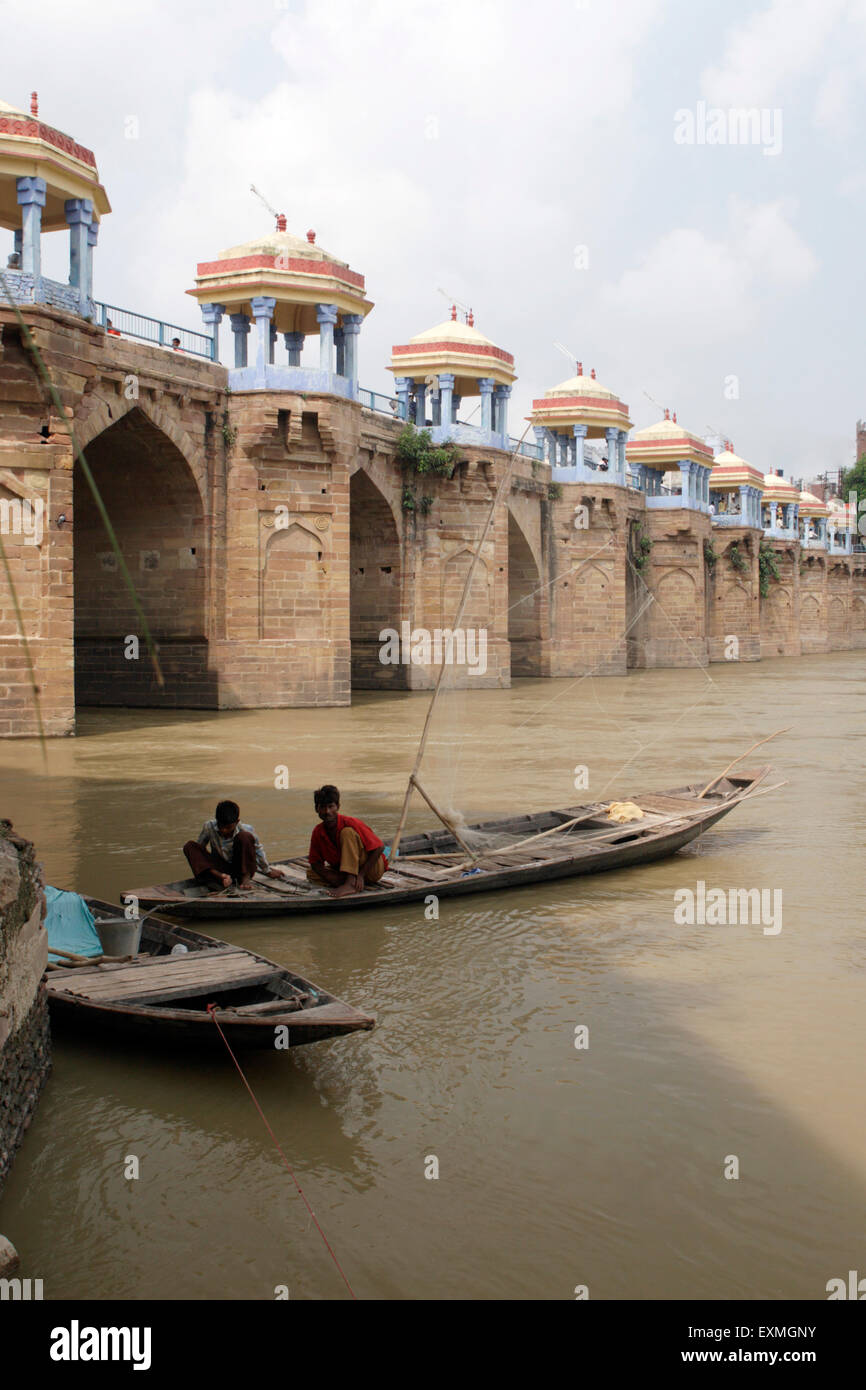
(464, 597)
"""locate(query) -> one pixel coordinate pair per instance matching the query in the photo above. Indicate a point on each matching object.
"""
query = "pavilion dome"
(663, 445)
(453, 347)
(293, 270)
(731, 471)
(810, 505)
(778, 489)
(31, 149)
(278, 243)
(581, 400)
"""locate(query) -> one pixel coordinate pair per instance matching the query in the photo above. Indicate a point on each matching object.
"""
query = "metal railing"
(374, 400)
(130, 325)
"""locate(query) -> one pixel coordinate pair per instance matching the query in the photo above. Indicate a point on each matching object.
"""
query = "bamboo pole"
(627, 828)
(759, 744)
(449, 825)
(395, 843)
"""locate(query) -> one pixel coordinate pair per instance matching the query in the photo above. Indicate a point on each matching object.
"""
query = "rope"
(211, 1008)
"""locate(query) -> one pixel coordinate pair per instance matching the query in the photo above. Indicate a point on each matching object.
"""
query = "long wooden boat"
(434, 862)
(160, 997)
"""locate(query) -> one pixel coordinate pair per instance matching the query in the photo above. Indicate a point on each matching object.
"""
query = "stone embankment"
(25, 1042)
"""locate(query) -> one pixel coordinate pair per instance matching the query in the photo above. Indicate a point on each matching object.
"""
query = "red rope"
(211, 1008)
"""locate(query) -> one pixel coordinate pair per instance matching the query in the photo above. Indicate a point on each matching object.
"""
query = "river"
(558, 1166)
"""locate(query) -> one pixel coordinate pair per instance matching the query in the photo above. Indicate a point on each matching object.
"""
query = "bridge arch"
(375, 584)
(155, 504)
(525, 603)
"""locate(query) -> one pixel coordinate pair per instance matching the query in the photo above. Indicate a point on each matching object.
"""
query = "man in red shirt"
(345, 853)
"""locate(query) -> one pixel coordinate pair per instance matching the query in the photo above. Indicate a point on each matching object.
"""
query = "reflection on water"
(557, 1166)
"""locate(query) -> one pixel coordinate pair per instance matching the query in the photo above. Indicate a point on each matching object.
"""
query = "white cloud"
(694, 283)
(769, 49)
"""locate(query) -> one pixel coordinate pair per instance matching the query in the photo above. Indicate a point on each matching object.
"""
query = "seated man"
(227, 851)
(344, 852)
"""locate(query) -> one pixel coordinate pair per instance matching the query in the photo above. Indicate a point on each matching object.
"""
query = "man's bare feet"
(345, 890)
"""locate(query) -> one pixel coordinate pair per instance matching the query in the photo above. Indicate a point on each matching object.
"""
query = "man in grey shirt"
(227, 851)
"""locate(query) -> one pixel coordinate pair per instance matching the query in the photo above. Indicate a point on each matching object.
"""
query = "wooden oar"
(759, 744)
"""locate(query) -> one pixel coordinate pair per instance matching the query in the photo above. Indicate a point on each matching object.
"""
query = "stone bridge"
(271, 538)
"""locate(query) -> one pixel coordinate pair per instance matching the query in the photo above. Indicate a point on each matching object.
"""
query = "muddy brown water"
(601, 1166)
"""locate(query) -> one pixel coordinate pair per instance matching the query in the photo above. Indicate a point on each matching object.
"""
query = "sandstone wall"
(25, 1053)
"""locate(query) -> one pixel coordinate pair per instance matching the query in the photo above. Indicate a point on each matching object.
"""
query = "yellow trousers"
(353, 857)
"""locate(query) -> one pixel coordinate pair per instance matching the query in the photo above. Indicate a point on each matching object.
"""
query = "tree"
(854, 480)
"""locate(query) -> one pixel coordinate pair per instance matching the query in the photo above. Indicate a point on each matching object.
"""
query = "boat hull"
(634, 844)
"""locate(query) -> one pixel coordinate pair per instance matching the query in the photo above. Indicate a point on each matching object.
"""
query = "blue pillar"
(18, 235)
(539, 432)
(272, 343)
(31, 199)
(745, 506)
(263, 307)
(502, 394)
(212, 316)
(294, 346)
(92, 238)
(579, 432)
(340, 346)
(485, 386)
(621, 439)
(456, 402)
(240, 328)
(79, 215)
(446, 397)
(326, 315)
(420, 404)
(403, 385)
(686, 467)
(351, 334)
(612, 437)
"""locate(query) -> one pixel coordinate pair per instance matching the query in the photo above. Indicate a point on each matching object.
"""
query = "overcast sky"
(524, 157)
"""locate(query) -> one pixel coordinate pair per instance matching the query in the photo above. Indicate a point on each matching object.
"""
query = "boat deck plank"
(178, 974)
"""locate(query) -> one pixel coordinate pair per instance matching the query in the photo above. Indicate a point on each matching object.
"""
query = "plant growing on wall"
(738, 560)
(641, 545)
(768, 568)
(554, 492)
(710, 556)
(417, 455)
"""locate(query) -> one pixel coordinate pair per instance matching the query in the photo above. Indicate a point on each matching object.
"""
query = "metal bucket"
(120, 936)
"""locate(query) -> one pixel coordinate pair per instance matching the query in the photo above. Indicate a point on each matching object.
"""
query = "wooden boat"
(434, 862)
(162, 997)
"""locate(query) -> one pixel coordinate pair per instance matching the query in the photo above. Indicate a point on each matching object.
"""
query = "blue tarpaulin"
(69, 924)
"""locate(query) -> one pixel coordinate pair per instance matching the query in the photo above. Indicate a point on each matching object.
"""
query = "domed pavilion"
(735, 490)
(813, 521)
(454, 361)
(48, 183)
(780, 506)
(287, 286)
(663, 447)
(841, 527)
(572, 412)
